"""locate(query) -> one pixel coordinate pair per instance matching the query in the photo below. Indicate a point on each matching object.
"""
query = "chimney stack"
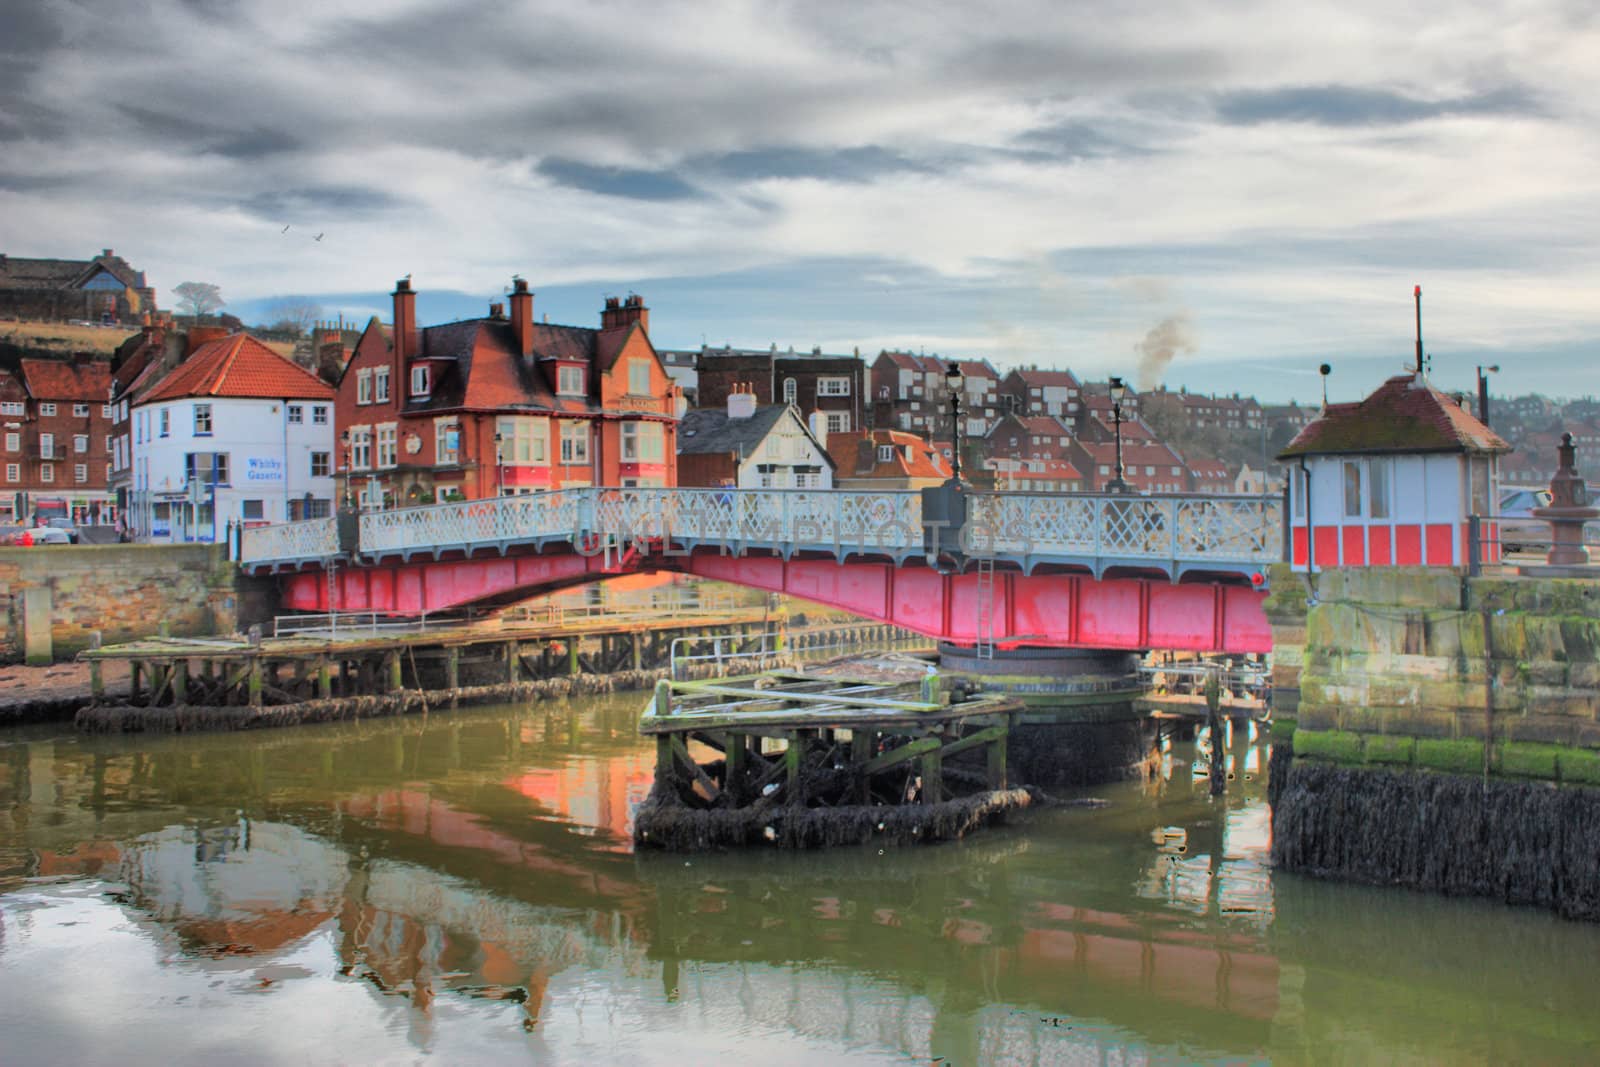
(620, 314)
(522, 316)
(497, 310)
(405, 322)
(741, 401)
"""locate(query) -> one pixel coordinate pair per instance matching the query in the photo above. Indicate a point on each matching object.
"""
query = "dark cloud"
(1044, 65)
(618, 181)
(318, 205)
(1349, 105)
(179, 130)
(1077, 140)
(28, 33)
(859, 164)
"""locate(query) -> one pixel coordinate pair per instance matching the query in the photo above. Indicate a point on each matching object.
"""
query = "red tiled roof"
(52, 379)
(845, 451)
(239, 366)
(1404, 414)
(1043, 378)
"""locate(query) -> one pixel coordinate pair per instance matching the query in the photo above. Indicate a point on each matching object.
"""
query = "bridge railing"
(1191, 528)
(290, 542)
(462, 523)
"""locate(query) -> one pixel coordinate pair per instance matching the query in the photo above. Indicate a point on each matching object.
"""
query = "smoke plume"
(1165, 341)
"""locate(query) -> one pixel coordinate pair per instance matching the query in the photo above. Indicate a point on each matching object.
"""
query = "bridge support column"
(1078, 725)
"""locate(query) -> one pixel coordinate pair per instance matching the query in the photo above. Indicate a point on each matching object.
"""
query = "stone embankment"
(1447, 734)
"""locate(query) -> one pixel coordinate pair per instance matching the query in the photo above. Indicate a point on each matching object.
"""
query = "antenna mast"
(1419, 328)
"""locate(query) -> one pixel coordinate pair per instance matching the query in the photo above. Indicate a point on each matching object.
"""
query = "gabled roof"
(845, 449)
(710, 432)
(1404, 414)
(1035, 425)
(912, 362)
(973, 368)
(239, 366)
(54, 379)
(1033, 377)
(65, 273)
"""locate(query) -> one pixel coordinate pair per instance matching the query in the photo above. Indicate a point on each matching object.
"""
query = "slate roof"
(1404, 414)
(64, 273)
(710, 432)
(52, 379)
(239, 366)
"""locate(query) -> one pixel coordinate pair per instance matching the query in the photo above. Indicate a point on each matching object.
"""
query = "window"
(1378, 489)
(380, 385)
(360, 448)
(207, 468)
(318, 508)
(80, 411)
(774, 447)
(569, 381)
(1352, 489)
(791, 390)
(107, 411)
(47, 446)
(80, 442)
(47, 473)
(47, 410)
(12, 407)
(320, 465)
(574, 442)
(252, 509)
(523, 440)
(446, 442)
(388, 441)
(13, 472)
(296, 413)
(421, 380)
(13, 442)
(363, 387)
(642, 442)
(885, 453)
(166, 422)
(80, 472)
(639, 377)
(202, 419)
(837, 421)
(319, 415)
(833, 386)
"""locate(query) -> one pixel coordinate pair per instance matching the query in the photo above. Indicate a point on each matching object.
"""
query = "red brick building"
(57, 436)
(503, 405)
(1147, 466)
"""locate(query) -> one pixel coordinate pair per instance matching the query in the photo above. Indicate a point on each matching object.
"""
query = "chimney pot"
(497, 310)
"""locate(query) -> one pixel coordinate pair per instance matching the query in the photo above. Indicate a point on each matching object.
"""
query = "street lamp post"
(499, 468)
(953, 380)
(349, 496)
(1117, 390)
(1483, 391)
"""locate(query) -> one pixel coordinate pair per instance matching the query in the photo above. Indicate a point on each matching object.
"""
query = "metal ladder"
(985, 649)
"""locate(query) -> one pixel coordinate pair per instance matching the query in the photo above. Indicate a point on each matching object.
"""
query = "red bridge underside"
(1052, 610)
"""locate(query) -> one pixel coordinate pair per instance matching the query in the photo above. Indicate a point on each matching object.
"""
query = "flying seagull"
(286, 228)
(318, 237)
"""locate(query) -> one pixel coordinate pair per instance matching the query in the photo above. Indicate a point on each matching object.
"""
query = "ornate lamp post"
(1483, 391)
(953, 380)
(499, 469)
(349, 497)
(1118, 390)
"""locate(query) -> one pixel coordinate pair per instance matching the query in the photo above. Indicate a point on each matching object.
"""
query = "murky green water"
(461, 888)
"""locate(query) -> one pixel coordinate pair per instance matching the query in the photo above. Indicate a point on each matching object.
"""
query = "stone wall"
(1447, 736)
(55, 596)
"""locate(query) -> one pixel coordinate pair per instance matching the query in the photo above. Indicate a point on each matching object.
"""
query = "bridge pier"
(1079, 724)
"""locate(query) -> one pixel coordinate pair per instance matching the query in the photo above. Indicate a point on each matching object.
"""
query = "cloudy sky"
(1257, 184)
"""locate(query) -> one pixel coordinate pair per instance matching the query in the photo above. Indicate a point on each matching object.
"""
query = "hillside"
(62, 339)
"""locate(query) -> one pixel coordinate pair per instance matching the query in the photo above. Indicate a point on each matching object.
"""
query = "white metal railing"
(1224, 529)
(290, 541)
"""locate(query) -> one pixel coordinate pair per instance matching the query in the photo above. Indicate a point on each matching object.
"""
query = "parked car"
(1518, 528)
(65, 525)
(43, 535)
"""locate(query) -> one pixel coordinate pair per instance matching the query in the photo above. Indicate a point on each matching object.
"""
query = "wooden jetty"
(802, 758)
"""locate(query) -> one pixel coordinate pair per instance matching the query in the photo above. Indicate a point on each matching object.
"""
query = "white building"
(751, 447)
(1391, 480)
(235, 433)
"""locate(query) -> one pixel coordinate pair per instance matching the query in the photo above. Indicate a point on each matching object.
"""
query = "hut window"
(1352, 489)
(1378, 489)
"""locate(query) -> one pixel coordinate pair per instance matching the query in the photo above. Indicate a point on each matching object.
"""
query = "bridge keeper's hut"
(1391, 480)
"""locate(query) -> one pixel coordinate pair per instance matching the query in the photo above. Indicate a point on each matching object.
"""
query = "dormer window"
(421, 380)
(569, 381)
(886, 453)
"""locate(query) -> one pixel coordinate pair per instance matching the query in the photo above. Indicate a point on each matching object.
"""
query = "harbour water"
(461, 887)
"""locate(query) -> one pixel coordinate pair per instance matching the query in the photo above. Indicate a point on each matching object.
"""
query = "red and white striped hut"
(1391, 480)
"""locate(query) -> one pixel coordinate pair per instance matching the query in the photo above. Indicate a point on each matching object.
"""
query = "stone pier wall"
(55, 596)
(1447, 736)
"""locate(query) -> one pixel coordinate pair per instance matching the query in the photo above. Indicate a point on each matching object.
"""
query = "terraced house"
(503, 405)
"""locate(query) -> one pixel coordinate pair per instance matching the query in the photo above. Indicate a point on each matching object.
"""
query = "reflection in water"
(461, 885)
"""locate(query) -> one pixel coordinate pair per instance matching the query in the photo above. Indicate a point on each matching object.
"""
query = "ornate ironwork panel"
(290, 541)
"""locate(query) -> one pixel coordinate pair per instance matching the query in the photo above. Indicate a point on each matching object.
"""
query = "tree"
(292, 315)
(198, 298)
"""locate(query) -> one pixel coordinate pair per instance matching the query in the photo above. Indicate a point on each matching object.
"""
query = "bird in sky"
(286, 228)
(318, 237)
